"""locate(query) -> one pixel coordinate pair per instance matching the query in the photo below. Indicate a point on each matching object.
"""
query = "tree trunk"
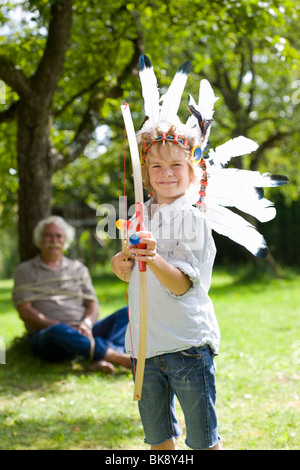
(38, 160)
(34, 113)
(35, 176)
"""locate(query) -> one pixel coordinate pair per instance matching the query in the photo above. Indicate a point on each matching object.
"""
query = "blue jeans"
(190, 376)
(61, 341)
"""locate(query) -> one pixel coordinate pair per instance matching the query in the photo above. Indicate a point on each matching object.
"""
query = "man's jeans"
(62, 341)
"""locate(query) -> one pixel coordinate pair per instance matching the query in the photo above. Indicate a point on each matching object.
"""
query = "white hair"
(69, 231)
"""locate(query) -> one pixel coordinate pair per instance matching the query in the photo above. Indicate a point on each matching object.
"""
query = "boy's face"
(169, 177)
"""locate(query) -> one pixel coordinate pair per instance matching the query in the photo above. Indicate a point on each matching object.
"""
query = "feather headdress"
(220, 188)
(161, 115)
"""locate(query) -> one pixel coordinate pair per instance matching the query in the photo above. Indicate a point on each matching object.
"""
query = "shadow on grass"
(65, 433)
(24, 371)
(52, 422)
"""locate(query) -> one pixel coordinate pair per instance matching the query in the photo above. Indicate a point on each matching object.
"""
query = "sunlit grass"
(65, 406)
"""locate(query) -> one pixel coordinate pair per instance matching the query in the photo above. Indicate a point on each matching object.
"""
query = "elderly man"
(56, 300)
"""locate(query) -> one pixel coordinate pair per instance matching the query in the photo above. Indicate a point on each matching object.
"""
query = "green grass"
(65, 406)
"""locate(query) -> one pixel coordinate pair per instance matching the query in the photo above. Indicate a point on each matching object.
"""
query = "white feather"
(222, 178)
(231, 225)
(207, 100)
(233, 148)
(262, 209)
(205, 104)
(239, 188)
(150, 93)
(272, 181)
(171, 99)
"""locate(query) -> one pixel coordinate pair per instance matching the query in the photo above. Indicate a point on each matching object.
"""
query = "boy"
(183, 335)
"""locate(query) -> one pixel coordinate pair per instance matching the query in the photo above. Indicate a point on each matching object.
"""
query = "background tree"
(69, 67)
(36, 106)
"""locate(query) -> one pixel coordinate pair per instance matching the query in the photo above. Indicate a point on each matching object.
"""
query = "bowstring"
(125, 283)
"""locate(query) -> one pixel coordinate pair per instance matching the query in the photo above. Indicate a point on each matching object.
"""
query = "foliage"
(66, 407)
(249, 50)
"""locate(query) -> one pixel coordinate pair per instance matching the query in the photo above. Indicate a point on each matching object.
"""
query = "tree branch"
(253, 82)
(84, 134)
(14, 77)
(91, 118)
(222, 82)
(269, 143)
(242, 68)
(10, 113)
(49, 71)
(77, 95)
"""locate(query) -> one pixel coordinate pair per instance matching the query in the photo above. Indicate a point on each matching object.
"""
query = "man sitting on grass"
(56, 300)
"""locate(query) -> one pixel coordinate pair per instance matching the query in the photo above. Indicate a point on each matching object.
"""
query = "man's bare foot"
(121, 359)
(103, 366)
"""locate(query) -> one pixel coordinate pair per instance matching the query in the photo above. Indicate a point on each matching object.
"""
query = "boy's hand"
(147, 254)
(121, 267)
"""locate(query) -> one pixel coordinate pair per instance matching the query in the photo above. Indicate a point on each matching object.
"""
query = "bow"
(139, 209)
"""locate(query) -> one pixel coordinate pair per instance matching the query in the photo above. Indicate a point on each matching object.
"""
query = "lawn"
(65, 406)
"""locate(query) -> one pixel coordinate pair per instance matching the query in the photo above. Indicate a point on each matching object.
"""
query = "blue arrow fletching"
(134, 239)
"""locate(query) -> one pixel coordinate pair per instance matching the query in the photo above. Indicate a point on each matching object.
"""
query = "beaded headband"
(164, 138)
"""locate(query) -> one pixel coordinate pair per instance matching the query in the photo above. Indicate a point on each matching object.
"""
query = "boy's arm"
(169, 276)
